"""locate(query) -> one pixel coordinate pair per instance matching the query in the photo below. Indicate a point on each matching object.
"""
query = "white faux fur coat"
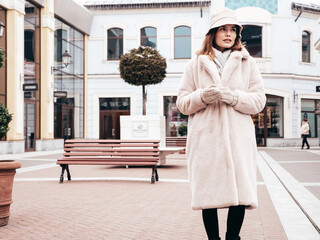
(221, 146)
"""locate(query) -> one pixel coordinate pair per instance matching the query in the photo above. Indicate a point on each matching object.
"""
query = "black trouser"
(234, 222)
(304, 140)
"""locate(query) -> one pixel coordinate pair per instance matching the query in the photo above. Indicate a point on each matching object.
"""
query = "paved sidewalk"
(109, 202)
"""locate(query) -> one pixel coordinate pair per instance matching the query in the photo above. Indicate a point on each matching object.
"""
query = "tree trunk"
(144, 100)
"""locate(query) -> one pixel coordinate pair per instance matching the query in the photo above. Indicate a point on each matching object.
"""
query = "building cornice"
(173, 4)
(177, 74)
(307, 8)
(290, 75)
(17, 5)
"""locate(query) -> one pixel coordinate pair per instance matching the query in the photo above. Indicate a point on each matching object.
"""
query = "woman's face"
(225, 37)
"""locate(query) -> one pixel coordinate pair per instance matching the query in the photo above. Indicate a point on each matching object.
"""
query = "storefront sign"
(140, 129)
(60, 94)
(30, 87)
(27, 94)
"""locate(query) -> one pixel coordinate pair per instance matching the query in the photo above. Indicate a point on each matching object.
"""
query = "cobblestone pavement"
(110, 202)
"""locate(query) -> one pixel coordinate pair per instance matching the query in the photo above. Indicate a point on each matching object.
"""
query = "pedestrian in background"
(221, 87)
(305, 130)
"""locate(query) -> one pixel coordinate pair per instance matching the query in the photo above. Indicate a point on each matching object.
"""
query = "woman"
(221, 87)
(304, 130)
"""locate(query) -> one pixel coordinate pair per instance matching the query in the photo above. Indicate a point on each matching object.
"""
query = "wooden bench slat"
(109, 145)
(111, 163)
(112, 154)
(138, 159)
(111, 149)
(113, 140)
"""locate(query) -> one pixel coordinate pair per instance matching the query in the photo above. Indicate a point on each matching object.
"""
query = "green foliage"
(2, 57)
(142, 66)
(5, 119)
(183, 129)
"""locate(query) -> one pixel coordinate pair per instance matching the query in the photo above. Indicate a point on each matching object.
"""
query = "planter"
(7, 172)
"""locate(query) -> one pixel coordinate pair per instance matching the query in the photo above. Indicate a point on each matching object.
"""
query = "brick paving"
(121, 210)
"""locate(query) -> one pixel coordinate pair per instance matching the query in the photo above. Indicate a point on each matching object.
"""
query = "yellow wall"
(15, 68)
(47, 60)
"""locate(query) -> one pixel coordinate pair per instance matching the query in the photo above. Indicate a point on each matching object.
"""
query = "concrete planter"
(7, 172)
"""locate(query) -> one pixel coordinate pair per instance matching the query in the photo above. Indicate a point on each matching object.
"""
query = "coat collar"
(232, 63)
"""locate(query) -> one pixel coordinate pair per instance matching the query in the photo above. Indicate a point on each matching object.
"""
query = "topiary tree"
(141, 67)
(5, 119)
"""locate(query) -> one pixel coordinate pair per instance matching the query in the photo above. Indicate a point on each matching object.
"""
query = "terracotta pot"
(7, 172)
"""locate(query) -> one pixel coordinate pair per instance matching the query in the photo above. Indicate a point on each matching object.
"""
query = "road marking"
(105, 179)
(311, 184)
(38, 167)
(306, 161)
(30, 154)
(283, 190)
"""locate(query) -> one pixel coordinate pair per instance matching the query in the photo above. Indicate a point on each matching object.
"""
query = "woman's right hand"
(209, 94)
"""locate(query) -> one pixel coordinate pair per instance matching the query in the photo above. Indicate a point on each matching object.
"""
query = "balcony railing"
(264, 64)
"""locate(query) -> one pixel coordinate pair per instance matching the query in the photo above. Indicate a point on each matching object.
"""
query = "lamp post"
(1, 29)
(66, 60)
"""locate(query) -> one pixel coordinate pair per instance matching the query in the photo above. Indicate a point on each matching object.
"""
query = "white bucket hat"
(223, 17)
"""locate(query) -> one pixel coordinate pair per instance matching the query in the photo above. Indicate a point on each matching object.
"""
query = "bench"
(110, 152)
(176, 141)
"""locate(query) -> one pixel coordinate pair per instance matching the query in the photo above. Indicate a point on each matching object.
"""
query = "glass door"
(260, 124)
(67, 122)
(29, 125)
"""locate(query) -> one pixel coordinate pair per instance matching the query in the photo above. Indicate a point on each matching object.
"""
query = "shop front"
(268, 123)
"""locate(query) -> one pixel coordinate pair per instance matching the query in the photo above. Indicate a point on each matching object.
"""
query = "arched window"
(60, 44)
(115, 43)
(148, 37)
(252, 37)
(182, 42)
(305, 46)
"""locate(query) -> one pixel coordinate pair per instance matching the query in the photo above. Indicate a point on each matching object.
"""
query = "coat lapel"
(232, 64)
(210, 68)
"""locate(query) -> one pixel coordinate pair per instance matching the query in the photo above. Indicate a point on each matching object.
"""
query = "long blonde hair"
(209, 43)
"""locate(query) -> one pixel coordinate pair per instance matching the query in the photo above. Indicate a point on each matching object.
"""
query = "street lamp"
(1, 29)
(66, 60)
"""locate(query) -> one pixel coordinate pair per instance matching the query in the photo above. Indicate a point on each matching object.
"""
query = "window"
(252, 37)
(182, 42)
(68, 111)
(305, 46)
(274, 116)
(148, 37)
(176, 122)
(115, 43)
(60, 44)
(310, 109)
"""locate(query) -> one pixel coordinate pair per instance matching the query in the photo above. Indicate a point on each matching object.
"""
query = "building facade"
(45, 94)
(281, 36)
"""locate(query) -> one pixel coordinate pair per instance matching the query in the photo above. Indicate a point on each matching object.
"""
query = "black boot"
(229, 237)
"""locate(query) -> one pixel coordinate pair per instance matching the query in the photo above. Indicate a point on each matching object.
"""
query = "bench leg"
(154, 176)
(63, 168)
(157, 176)
(68, 172)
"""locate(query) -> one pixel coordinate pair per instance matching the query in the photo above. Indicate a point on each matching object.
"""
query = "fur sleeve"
(189, 99)
(254, 99)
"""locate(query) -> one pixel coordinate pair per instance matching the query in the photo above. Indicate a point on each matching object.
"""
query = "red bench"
(110, 152)
(176, 141)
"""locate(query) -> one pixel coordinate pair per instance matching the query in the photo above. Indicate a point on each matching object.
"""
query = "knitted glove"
(226, 95)
(209, 94)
